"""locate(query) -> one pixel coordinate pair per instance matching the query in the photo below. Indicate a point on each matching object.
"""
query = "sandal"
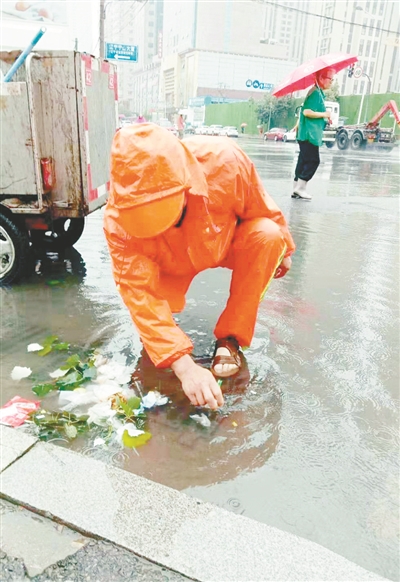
(231, 344)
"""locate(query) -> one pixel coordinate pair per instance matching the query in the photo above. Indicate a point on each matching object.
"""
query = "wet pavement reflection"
(308, 438)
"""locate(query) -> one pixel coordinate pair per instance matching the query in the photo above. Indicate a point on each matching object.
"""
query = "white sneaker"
(299, 190)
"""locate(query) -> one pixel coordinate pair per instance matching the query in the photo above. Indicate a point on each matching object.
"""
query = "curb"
(167, 527)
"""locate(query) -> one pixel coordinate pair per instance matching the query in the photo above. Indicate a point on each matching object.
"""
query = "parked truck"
(58, 117)
(360, 135)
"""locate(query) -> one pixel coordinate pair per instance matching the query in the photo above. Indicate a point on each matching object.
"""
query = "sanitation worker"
(177, 208)
(313, 118)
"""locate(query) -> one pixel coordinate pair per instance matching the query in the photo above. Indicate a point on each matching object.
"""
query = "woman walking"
(313, 118)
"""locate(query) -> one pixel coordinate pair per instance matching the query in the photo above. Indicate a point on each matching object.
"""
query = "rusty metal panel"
(17, 160)
(54, 95)
(97, 107)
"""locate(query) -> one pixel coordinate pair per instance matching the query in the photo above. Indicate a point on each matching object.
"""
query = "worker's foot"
(299, 190)
(226, 360)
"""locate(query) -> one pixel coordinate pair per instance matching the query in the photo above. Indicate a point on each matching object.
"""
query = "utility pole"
(102, 19)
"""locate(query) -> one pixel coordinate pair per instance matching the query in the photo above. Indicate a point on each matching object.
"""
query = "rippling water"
(308, 439)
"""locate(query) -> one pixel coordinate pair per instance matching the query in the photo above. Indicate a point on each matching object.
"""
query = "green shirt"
(312, 129)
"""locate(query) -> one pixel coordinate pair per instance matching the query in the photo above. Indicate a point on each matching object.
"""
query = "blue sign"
(121, 52)
(258, 85)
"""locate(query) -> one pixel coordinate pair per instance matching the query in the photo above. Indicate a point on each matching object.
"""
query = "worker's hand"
(283, 268)
(198, 384)
(327, 115)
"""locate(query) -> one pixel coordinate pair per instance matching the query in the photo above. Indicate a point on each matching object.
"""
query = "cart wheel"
(66, 232)
(14, 251)
(329, 144)
(342, 140)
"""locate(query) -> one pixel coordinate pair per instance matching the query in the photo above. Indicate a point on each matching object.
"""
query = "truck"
(360, 135)
(58, 115)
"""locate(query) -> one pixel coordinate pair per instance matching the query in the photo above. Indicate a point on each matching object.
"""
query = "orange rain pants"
(234, 223)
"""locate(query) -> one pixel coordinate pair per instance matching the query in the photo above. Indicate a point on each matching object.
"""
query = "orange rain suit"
(230, 221)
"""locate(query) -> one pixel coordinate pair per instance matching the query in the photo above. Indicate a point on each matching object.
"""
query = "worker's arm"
(167, 345)
(316, 114)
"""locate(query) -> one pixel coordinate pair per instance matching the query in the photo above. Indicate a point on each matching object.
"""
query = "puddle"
(308, 438)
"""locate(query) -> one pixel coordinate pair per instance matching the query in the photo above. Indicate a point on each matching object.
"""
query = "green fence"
(245, 112)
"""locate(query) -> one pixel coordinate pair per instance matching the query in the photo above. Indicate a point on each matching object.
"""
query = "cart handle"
(21, 59)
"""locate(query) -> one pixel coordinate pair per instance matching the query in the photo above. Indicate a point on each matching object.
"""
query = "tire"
(357, 141)
(342, 140)
(329, 144)
(14, 251)
(65, 233)
(284, 138)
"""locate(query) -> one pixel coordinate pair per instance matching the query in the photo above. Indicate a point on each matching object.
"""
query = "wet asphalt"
(308, 438)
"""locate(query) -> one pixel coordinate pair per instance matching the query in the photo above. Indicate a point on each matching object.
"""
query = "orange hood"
(149, 163)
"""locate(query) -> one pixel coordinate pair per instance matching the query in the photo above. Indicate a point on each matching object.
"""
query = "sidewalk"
(106, 524)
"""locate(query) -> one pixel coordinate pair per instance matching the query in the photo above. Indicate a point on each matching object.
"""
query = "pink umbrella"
(304, 76)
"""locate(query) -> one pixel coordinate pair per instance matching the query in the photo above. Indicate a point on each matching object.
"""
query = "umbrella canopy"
(304, 76)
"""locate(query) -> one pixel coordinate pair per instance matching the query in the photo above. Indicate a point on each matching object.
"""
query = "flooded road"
(308, 438)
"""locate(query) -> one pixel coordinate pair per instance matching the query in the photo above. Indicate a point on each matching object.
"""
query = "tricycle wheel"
(64, 234)
(14, 251)
(329, 144)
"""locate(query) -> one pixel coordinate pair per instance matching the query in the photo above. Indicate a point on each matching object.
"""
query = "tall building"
(368, 29)
(212, 50)
(138, 23)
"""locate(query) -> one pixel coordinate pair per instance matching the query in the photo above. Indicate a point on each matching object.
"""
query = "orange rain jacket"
(153, 275)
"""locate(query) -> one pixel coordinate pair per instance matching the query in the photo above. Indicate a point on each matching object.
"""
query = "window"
(355, 90)
(364, 26)
(150, 45)
(374, 50)
(362, 84)
(381, 8)
(151, 22)
(361, 47)
(378, 29)
(374, 6)
(368, 49)
(371, 68)
(371, 27)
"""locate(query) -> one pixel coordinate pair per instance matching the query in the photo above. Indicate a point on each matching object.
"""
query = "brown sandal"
(231, 344)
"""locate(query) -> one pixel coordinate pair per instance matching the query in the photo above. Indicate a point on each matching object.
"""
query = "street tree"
(272, 111)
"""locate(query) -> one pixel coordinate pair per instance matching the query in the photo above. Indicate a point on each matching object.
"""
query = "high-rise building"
(368, 29)
(138, 23)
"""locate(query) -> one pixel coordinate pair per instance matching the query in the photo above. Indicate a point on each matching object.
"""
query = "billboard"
(44, 11)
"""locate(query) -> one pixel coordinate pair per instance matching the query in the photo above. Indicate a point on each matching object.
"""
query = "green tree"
(332, 94)
(272, 111)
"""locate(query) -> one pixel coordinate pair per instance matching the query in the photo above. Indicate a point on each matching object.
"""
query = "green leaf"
(50, 339)
(72, 362)
(134, 402)
(48, 345)
(89, 373)
(134, 442)
(43, 389)
(125, 407)
(72, 380)
(46, 350)
(62, 347)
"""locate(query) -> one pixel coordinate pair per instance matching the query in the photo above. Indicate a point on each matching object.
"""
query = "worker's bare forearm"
(181, 366)
(315, 114)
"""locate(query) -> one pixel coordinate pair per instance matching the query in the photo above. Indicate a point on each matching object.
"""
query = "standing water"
(307, 440)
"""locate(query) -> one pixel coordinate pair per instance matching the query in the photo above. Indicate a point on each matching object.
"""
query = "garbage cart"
(58, 117)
